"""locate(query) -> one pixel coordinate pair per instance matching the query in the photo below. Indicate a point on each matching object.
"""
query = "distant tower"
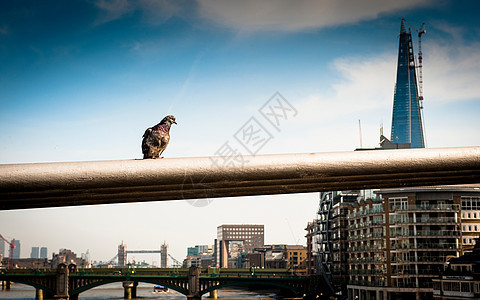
(43, 252)
(122, 255)
(16, 250)
(35, 252)
(406, 121)
(164, 255)
(2, 248)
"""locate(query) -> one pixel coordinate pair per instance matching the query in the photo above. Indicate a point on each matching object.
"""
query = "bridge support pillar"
(38, 294)
(61, 291)
(5, 285)
(194, 283)
(213, 294)
(130, 290)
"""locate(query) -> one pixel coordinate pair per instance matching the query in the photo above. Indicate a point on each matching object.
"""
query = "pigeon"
(156, 138)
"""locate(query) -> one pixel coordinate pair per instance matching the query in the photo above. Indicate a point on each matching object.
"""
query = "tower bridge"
(163, 251)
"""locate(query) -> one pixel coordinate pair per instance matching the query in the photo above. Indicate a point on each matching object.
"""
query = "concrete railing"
(101, 182)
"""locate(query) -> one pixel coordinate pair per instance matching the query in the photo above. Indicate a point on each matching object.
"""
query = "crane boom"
(420, 64)
(12, 246)
(420, 60)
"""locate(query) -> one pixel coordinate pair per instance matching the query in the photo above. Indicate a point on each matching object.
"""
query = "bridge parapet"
(66, 282)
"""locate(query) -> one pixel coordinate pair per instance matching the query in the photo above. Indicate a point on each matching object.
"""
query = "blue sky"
(81, 80)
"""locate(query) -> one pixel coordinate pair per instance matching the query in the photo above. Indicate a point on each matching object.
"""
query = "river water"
(144, 291)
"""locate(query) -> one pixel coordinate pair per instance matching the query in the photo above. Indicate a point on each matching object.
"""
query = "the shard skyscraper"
(407, 124)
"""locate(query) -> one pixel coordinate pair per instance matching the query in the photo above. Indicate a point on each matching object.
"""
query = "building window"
(466, 287)
(398, 203)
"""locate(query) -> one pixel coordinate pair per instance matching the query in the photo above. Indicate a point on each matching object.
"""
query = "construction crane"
(420, 61)
(12, 246)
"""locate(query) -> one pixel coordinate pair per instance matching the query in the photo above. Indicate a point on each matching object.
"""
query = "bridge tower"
(122, 255)
(164, 255)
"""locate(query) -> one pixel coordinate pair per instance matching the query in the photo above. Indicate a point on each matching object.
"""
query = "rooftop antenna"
(360, 131)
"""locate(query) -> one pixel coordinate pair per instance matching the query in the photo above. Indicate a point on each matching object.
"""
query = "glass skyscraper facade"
(407, 120)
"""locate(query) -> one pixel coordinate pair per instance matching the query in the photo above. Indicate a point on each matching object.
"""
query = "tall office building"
(43, 252)
(407, 120)
(16, 250)
(236, 239)
(35, 252)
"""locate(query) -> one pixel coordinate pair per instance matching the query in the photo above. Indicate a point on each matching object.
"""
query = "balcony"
(367, 283)
(425, 233)
(420, 272)
(425, 246)
(366, 272)
(369, 236)
(404, 221)
(366, 248)
(435, 208)
(422, 259)
(365, 212)
(367, 260)
(366, 224)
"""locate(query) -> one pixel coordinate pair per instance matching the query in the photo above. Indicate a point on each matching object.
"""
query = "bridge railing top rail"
(205, 272)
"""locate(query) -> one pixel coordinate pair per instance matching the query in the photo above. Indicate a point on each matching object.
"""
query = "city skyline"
(82, 80)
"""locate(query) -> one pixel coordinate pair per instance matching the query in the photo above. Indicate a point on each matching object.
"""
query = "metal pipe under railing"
(101, 182)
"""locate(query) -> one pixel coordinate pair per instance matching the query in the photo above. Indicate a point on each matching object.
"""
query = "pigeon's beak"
(174, 122)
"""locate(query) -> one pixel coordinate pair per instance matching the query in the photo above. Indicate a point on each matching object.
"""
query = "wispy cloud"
(112, 10)
(157, 12)
(287, 15)
(451, 69)
(154, 12)
(368, 83)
